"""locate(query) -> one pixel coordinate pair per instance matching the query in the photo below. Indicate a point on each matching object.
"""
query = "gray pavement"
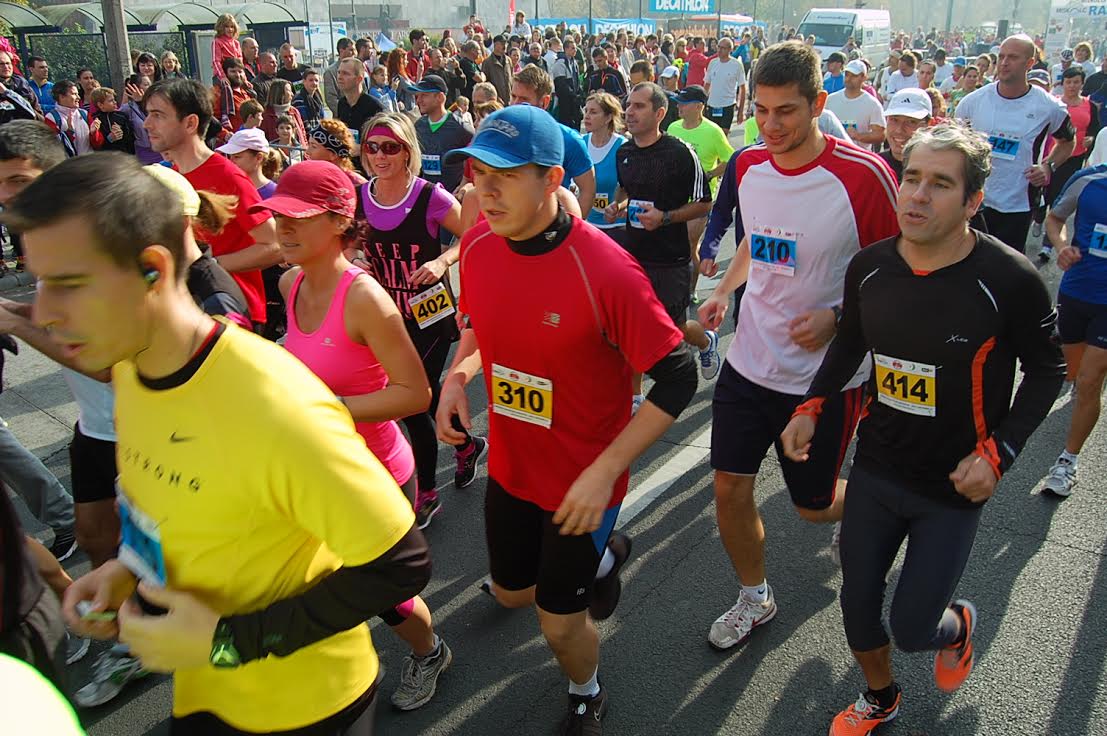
(1037, 575)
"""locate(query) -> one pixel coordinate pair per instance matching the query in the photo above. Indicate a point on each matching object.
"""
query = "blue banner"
(640, 26)
(691, 7)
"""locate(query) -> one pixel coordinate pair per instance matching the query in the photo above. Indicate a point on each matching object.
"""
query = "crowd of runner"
(318, 262)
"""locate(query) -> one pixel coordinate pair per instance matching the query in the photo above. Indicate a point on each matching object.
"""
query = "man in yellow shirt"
(710, 143)
(259, 533)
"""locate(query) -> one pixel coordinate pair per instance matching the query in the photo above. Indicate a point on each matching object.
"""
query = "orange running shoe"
(952, 665)
(863, 716)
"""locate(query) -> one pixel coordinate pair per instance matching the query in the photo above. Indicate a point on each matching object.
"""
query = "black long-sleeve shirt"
(944, 346)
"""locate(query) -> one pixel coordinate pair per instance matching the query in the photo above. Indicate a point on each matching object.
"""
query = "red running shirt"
(220, 176)
(578, 321)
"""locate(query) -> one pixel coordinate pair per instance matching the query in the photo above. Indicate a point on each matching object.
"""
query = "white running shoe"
(736, 625)
(836, 544)
(710, 362)
(75, 647)
(1036, 230)
(419, 678)
(110, 673)
(1061, 479)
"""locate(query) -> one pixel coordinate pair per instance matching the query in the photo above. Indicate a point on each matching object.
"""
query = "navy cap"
(692, 93)
(515, 136)
(430, 83)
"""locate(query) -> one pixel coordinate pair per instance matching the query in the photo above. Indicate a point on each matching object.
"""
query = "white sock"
(589, 689)
(606, 563)
(757, 593)
(435, 650)
(1070, 456)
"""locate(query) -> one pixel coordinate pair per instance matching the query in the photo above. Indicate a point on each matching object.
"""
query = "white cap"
(669, 71)
(180, 186)
(247, 139)
(857, 67)
(911, 102)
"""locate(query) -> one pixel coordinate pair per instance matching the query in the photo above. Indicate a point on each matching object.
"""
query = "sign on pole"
(1061, 15)
(676, 7)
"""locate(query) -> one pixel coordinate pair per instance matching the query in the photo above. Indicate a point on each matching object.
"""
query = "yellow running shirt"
(256, 486)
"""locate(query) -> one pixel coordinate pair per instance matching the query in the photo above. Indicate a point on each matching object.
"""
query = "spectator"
(68, 120)
(309, 101)
(171, 66)
(567, 91)
(228, 96)
(516, 58)
(381, 90)
(346, 50)
(696, 63)
(354, 107)
(250, 58)
(147, 65)
(484, 92)
(483, 110)
(418, 60)
(266, 73)
(13, 81)
(521, 27)
(834, 80)
(449, 72)
(280, 103)
(39, 81)
(398, 78)
(497, 68)
(251, 113)
(461, 112)
(605, 78)
(133, 107)
(291, 149)
(110, 129)
(367, 54)
(86, 80)
(225, 45)
(290, 70)
(469, 68)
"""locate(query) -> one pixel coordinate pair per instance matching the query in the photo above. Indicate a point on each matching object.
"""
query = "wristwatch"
(837, 315)
(666, 218)
(223, 652)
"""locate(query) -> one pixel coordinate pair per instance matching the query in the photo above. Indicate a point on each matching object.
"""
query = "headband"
(384, 132)
(331, 142)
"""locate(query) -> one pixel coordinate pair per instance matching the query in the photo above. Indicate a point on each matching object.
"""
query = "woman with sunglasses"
(399, 239)
(345, 328)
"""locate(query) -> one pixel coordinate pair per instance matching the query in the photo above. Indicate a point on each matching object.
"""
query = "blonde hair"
(171, 55)
(100, 95)
(225, 21)
(484, 109)
(610, 104)
(401, 127)
(216, 210)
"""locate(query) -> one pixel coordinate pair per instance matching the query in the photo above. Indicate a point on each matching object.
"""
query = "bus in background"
(832, 28)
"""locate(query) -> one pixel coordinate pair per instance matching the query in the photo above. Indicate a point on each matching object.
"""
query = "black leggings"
(879, 515)
(433, 350)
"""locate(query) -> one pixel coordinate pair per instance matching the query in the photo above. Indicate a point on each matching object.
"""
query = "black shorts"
(525, 549)
(673, 286)
(92, 468)
(721, 116)
(1010, 227)
(1079, 321)
(748, 418)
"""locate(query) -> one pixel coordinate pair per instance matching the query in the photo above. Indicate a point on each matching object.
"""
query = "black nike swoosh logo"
(174, 438)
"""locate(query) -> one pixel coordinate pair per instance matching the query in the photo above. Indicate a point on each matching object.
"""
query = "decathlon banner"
(640, 26)
(677, 7)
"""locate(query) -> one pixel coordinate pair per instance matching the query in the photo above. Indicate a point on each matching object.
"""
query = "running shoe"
(736, 625)
(467, 462)
(585, 715)
(75, 647)
(696, 298)
(1061, 479)
(710, 362)
(65, 544)
(1036, 230)
(1044, 254)
(836, 544)
(953, 664)
(419, 678)
(863, 716)
(110, 673)
(605, 594)
(486, 587)
(427, 507)
(636, 403)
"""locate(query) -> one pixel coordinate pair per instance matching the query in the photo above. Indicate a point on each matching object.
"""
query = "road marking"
(663, 478)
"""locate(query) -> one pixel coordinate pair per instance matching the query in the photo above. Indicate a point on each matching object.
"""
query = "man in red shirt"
(418, 59)
(561, 435)
(697, 62)
(177, 111)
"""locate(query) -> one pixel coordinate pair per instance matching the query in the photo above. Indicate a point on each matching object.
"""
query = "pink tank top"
(349, 369)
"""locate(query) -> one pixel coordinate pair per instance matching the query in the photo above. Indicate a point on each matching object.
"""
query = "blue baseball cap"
(960, 61)
(515, 136)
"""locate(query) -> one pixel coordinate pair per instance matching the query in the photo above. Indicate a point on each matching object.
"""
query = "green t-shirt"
(751, 132)
(708, 140)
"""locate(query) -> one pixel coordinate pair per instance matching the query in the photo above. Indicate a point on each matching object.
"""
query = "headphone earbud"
(151, 276)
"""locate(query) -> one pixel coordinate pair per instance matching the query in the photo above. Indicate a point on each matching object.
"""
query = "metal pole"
(310, 43)
(949, 16)
(115, 38)
(589, 20)
(353, 18)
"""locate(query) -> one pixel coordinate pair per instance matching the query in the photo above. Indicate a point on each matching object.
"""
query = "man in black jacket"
(566, 78)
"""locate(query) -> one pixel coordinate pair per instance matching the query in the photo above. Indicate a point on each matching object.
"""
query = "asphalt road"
(1037, 575)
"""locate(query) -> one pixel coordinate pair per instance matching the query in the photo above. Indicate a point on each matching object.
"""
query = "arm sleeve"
(1031, 326)
(722, 211)
(1094, 124)
(847, 349)
(1064, 131)
(1065, 205)
(675, 381)
(340, 601)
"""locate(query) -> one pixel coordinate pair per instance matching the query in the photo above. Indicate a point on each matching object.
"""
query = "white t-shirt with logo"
(1016, 129)
(725, 79)
(896, 81)
(942, 73)
(860, 113)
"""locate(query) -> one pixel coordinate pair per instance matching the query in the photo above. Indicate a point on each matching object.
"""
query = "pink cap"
(311, 188)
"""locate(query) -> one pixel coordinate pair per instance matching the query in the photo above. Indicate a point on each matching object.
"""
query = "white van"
(871, 30)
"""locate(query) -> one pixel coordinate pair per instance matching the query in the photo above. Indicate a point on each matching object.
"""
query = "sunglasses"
(390, 148)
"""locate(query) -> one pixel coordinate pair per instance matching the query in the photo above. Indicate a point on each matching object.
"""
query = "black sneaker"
(428, 508)
(467, 464)
(65, 544)
(606, 592)
(585, 715)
